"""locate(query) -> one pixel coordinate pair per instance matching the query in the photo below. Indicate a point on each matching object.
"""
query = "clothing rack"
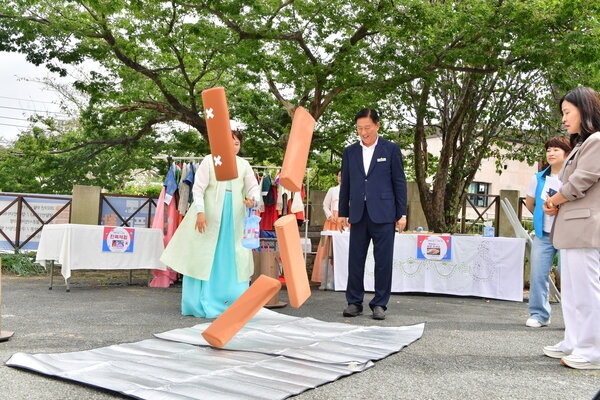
(307, 179)
(170, 159)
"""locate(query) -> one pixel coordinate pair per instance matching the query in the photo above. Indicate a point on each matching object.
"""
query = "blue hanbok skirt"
(208, 299)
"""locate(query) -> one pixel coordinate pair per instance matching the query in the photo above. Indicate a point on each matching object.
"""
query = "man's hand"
(401, 224)
(342, 223)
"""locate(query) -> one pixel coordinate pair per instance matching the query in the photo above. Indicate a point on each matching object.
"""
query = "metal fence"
(22, 216)
(472, 217)
(126, 210)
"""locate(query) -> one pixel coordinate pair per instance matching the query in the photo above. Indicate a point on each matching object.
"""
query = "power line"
(31, 100)
(29, 109)
(17, 119)
(15, 126)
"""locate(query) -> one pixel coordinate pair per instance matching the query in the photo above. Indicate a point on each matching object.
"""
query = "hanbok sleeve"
(251, 186)
(327, 203)
(201, 180)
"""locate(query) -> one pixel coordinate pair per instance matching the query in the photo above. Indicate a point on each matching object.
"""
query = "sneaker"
(554, 352)
(352, 310)
(534, 323)
(578, 362)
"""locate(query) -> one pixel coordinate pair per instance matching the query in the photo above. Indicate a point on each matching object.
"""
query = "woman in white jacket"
(576, 232)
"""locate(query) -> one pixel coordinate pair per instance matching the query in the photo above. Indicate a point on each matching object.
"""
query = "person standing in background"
(373, 199)
(542, 251)
(576, 232)
(330, 208)
(207, 247)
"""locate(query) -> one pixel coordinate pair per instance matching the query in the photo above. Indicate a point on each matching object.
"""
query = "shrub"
(22, 264)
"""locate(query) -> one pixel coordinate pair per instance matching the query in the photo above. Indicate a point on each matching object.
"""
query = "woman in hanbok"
(207, 247)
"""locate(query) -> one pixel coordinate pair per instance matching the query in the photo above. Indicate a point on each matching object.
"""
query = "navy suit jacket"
(382, 189)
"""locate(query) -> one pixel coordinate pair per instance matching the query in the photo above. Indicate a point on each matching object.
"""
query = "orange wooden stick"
(296, 151)
(241, 311)
(294, 266)
(218, 126)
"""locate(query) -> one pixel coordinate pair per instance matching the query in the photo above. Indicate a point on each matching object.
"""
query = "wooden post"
(4, 335)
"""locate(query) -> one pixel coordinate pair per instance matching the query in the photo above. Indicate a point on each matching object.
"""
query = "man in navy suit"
(373, 200)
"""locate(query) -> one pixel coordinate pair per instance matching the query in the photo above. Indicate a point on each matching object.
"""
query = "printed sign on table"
(118, 239)
(434, 247)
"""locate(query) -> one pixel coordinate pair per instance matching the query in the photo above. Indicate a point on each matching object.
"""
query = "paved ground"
(472, 348)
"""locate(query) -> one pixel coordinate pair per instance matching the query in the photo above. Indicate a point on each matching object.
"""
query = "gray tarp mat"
(273, 357)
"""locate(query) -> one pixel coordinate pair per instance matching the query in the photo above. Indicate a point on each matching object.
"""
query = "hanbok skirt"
(209, 299)
(322, 263)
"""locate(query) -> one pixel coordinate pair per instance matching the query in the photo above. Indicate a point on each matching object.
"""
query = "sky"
(21, 96)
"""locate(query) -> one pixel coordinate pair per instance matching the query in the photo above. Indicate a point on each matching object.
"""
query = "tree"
(487, 86)
(155, 59)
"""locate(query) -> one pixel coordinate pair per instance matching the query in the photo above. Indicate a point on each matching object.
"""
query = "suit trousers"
(361, 234)
(580, 301)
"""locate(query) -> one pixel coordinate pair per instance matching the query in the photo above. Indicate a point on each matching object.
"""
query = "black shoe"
(378, 313)
(352, 310)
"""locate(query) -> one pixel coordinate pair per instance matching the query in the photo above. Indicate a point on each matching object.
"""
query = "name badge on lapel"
(382, 159)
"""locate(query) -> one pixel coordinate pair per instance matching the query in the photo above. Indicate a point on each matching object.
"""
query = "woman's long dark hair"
(588, 104)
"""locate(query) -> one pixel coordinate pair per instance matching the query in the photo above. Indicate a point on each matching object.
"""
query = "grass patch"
(22, 264)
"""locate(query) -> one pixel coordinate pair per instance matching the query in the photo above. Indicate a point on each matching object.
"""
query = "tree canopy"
(482, 75)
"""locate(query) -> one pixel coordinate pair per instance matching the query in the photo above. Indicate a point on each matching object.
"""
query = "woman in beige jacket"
(576, 232)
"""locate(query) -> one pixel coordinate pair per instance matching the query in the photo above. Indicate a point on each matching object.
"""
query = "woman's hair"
(367, 113)
(238, 135)
(588, 104)
(561, 142)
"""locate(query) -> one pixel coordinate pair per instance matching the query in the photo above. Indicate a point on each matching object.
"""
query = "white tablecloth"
(490, 267)
(76, 246)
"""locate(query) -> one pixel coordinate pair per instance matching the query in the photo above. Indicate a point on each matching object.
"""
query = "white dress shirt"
(367, 154)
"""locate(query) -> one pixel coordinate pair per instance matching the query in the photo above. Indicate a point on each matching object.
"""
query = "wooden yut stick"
(241, 311)
(296, 151)
(218, 126)
(294, 266)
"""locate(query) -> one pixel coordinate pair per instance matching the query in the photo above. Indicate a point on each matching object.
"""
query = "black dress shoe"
(378, 313)
(352, 310)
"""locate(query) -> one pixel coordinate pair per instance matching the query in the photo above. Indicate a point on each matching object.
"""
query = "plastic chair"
(522, 233)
